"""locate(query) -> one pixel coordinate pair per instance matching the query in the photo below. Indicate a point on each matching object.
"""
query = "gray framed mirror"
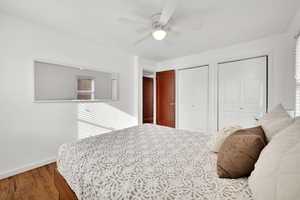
(61, 83)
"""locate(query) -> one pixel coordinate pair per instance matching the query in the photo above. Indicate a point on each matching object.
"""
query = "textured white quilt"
(146, 162)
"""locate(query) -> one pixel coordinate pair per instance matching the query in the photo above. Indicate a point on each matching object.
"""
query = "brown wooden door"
(147, 100)
(165, 97)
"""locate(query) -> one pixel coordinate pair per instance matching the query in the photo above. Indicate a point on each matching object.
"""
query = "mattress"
(147, 162)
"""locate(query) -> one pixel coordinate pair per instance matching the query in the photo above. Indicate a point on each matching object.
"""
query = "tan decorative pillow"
(239, 152)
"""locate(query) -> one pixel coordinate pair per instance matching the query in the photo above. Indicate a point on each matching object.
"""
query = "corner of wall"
(294, 27)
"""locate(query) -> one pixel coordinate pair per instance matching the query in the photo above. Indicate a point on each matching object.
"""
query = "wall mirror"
(56, 82)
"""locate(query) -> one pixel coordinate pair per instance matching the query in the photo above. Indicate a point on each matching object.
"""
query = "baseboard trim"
(25, 168)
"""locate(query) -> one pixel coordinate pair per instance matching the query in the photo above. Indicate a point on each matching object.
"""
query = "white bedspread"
(146, 162)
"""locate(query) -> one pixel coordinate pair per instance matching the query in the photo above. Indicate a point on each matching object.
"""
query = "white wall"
(30, 133)
(280, 49)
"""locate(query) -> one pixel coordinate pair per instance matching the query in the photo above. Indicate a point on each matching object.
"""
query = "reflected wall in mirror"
(56, 82)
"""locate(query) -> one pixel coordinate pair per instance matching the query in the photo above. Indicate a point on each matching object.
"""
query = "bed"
(144, 162)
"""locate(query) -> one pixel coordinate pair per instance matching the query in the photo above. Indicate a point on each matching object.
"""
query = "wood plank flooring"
(36, 184)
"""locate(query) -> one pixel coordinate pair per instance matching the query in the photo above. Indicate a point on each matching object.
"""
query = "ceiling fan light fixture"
(159, 34)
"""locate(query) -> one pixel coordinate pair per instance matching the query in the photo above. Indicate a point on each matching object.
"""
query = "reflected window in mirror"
(85, 88)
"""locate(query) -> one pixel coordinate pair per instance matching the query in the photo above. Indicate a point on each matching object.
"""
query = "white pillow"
(288, 180)
(275, 121)
(218, 139)
(277, 172)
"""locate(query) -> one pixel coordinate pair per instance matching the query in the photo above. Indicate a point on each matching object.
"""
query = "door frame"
(177, 79)
(237, 60)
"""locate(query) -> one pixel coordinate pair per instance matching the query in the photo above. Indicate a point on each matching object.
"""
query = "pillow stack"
(240, 149)
(276, 175)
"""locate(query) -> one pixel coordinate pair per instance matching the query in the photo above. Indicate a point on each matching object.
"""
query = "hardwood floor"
(36, 184)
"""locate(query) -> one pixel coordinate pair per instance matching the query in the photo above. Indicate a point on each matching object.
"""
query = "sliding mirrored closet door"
(242, 91)
(193, 98)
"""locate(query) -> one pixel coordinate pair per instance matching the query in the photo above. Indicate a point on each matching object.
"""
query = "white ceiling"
(224, 22)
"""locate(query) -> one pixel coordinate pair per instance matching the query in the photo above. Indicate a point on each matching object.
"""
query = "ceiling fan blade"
(132, 21)
(142, 39)
(168, 11)
(174, 32)
(143, 30)
(187, 27)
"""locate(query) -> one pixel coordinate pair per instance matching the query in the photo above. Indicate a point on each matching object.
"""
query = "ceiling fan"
(159, 25)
